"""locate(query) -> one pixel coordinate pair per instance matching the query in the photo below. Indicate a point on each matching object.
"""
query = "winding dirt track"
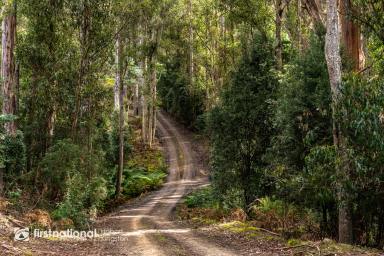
(146, 227)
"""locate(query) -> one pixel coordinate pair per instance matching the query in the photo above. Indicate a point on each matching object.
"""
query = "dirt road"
(147, 227)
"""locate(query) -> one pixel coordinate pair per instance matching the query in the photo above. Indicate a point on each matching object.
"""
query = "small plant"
(284, 218)
(140, 180)
(202, 198)
(14, 195)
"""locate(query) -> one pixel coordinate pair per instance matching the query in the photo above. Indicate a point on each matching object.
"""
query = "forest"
(263, 116)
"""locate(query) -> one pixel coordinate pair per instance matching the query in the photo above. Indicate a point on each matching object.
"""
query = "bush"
(75, 180)
(284, 217)
(202, 198)
(240, 127)
(12, 157)
(62, 161)
(81, 199)
(139, 180)
(363, 120)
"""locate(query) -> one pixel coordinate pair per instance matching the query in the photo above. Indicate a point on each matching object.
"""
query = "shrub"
(61, 162)
(139, 180)
(81, 199)
(240, 126)
(202, 198)
(284, 217)
(75, 180)
(12, 157)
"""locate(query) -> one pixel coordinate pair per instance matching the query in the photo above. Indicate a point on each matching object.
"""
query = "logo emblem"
(22, 234)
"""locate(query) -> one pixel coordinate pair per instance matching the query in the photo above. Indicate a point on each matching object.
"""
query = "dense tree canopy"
(288, 93)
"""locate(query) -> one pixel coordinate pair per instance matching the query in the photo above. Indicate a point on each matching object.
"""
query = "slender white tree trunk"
(116, 88)
(144, 103)
(332, 54)
(119, 82)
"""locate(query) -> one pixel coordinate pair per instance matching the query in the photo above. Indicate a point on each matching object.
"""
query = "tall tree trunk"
(8, 67)
(136, 100)
(119, 81)
(8, 73)
(152, 126)
(116, 87)
(191, 70)
(278, 22)
(350, 32)
(332, 54)
(85, 27)
(143, 101)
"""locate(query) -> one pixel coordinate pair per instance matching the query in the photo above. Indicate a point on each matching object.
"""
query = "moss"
(239, 227)
(331, 247)
(294, 242)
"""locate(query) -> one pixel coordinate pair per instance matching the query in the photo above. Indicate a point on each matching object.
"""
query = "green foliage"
(177, 97)
(303, 115)
(285, 217)
(75, 180)
(12, 156)
(363, 127)
(81, 199)
(111, 143)
(240, 127)
(60, 163)
(202, 198)
(266, 204)
(140, 180)
(319, 178)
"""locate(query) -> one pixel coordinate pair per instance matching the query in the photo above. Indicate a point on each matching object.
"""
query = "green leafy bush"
(12, 158)
(202, 198)
(62, 161)
(139, 180)
(240, 127)
(81, 199)
(285, 217)
(75, 180)
(363, 120)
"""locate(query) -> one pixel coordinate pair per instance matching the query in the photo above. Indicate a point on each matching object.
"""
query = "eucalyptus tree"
(8, 72)
(332, 54)
(8, 64)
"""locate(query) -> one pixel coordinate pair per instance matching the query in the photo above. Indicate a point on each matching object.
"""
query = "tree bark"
(350, 32)
(144, 104)
(8, 73)
(119, 82)
(8, 67)
(85, 27)
(332, 54)
(116, 87)
(191, 70)
(153, 102)
(313, 11)
(279, 46)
